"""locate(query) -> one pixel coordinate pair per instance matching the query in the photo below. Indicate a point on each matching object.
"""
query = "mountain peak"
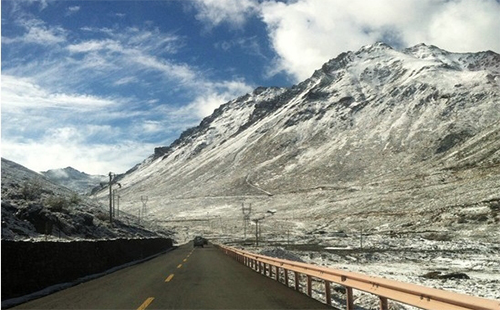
(74, 179)
(423, 51)
(377, 46)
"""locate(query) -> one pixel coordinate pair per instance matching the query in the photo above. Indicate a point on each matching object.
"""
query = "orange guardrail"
(386, 289)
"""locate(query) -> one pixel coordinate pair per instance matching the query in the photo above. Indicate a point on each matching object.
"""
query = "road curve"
(185, 278)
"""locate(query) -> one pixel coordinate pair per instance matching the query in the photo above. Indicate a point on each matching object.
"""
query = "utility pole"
(110, 197)
(258, 227)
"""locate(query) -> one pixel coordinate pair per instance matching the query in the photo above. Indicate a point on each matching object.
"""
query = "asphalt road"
(185, 278)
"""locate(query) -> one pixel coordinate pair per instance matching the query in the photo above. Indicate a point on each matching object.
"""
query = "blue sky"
(96, 85)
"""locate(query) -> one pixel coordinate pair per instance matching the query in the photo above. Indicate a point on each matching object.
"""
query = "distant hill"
(35, 208)
(73, 179)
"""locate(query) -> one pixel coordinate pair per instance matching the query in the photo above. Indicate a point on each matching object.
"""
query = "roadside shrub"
(60, 203)
(102, 216)
(57, 203)
(31, 190)
(75, 199)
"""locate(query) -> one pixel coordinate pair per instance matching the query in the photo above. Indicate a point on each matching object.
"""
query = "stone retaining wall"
(28, 267)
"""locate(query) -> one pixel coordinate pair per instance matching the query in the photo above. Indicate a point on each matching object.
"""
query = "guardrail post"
(309, 285)
(383, 303)
(328, 293)
(286, 276)
(297, 280)
(349, 298)
(277, 274)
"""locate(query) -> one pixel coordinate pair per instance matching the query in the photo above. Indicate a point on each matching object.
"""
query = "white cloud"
(39, 35)
(217, 94)
(44, 130)
(206, 104)
(180, 72)
(72, 10)
(20, 94)
(45, 36)
(94, 46)
(126, 80)
(467, 26)
(131, 51)
(249, 45)
(152, 126)
(307, 33)
(215, 12)
(37, 32)
(51, 153)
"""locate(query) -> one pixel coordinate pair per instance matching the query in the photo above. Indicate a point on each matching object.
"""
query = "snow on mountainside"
(75, 180)
(384, 161)
(377, 138)
(364, 115)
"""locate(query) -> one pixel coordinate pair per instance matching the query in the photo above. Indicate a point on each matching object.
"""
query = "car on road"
(199, 241)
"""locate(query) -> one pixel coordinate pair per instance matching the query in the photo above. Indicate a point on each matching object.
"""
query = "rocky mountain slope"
(75, 180)
(34, 208)
(378, 138)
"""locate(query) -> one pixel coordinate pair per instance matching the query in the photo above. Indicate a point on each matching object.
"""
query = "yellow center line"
(185, 260)
(169, 278)
(146, 303)
(180, 265)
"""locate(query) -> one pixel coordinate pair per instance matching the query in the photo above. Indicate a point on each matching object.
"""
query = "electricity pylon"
(246, 216)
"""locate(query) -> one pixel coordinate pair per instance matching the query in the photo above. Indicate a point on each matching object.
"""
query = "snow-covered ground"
(405, 259)
(416, 249)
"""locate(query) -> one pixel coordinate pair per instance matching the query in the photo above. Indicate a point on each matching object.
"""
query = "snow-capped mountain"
(73, 179)
(414, 133)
